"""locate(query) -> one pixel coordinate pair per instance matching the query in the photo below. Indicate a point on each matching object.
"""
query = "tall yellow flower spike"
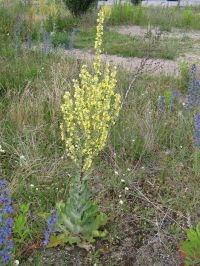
(107, 10)
(91, 110)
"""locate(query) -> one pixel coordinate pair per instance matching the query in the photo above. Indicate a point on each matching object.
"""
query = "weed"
(144, 177)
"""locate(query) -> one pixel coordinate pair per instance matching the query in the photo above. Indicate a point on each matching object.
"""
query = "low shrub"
(78, 7)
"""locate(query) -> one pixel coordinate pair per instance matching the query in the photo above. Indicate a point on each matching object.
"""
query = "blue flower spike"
(51, 227)
(6, 224)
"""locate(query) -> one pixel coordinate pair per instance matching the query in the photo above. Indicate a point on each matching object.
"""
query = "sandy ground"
(132, 64)
(142, 31)
(153, 66)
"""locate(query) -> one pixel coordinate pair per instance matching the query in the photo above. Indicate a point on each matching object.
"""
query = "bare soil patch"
(131, 64)
(142, 31)
(152, 66)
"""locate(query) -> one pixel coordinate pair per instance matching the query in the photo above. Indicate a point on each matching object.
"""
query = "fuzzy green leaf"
(79, 218)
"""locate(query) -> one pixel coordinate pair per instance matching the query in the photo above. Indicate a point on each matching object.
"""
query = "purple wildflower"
(50, 44)
(51, 227)
(45, 46)
(174, 97)
(193, 89)
(176, 94)
(3, 183)
(197, 131)
(6, 224)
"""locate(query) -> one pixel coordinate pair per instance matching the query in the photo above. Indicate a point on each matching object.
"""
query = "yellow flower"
(107, 11)
(91, 110)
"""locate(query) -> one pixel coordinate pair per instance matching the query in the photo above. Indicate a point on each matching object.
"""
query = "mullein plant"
(107, 10)
(6, 225)
(89, 112)
(196, 163)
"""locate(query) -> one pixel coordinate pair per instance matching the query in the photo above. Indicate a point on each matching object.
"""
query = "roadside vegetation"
(144, 176)
(165, 17)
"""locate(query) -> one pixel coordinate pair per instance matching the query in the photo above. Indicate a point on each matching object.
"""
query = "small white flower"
(133, 140)
(122, 181)
(31, 185)
(36, 188)
(120, 195)
(168, 152)
(16, 262)
(116, 173)
(1, 150)
(22, 158)
(121, 202)
(156, 223)
(126, 188)
(128, 169)
(180, 113)
(181, 147)
(57, 188)
(142, 167)
(183, 104)
(114, 154)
